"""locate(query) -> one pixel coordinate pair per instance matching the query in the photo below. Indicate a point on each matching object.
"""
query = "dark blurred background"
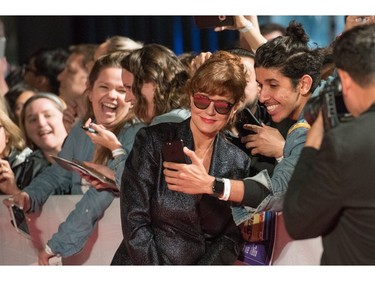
(25, 34)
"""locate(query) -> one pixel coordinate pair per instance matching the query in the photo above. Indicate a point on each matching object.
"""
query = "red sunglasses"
(202, 102)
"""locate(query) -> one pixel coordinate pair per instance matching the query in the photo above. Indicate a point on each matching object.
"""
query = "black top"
(332, 193)
(32, 165)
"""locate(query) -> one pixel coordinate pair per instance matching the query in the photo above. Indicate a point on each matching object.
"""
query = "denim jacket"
(55, 180)
(278, 183)
(74, 232)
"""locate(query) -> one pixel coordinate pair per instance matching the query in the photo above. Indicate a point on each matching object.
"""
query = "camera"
(330, 101)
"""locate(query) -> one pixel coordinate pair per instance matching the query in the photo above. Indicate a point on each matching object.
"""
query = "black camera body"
(330, 101)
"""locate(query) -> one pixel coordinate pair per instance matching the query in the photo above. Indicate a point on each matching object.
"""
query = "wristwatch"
(218, 187)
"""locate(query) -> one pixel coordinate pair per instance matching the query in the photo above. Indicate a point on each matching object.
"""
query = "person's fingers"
(88, 122)
(219, 28)
(4, 169)
(191, 154)
(9, 202)
(251, 127)
(97, 127)
(254, 151)
(168, 172)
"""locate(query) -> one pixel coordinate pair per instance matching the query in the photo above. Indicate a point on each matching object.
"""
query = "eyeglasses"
(202, 102)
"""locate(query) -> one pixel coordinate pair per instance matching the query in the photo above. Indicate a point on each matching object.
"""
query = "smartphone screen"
(173, 151)
(19, 221)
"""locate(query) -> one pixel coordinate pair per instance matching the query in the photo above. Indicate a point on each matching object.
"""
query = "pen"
(91, 130)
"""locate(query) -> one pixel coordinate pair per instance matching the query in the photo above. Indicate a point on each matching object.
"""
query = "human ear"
(304, 85)
(345, 81)
(42, 81)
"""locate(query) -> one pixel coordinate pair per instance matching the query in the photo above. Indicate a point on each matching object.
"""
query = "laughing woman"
(110, 106)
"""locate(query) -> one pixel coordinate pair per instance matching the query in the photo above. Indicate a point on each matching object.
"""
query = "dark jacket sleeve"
(312, 200)
(136, 190)
(254, 193)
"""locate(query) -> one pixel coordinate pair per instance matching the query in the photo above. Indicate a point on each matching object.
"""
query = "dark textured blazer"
(332, 193)
(161, 226)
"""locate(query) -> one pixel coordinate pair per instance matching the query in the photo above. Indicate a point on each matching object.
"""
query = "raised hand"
(266, 141)
(188, 178)
(103, 136)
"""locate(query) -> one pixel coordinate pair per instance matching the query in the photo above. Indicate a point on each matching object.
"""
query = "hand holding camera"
(330, 101)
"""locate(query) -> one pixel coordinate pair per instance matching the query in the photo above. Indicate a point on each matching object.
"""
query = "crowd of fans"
(135, 97)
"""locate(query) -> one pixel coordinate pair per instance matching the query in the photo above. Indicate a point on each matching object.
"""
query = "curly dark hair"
(292, 55)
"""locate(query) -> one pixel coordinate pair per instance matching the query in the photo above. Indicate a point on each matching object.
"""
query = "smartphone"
(89, 129)
(2, 46)
(19, 221)
(213, 21)
(246, 117)
(173, 151)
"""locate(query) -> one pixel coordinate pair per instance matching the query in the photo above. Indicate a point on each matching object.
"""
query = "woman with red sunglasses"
(161, 226)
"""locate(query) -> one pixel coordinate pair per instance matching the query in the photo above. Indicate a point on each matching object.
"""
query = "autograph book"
(260, 237)
(80, 167)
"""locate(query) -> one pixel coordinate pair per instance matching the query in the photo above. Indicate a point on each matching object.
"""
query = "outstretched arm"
(194, 179)
(250, 36)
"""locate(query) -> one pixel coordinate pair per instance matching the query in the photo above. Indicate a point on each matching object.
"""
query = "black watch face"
(218, 187)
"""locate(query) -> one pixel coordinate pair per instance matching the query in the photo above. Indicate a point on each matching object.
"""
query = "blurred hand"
(21, 199)
(199, 60)
(239, 22)
(43, 257)
(7, 179)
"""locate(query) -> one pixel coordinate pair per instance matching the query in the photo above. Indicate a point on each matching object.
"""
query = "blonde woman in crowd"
(42, 124)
